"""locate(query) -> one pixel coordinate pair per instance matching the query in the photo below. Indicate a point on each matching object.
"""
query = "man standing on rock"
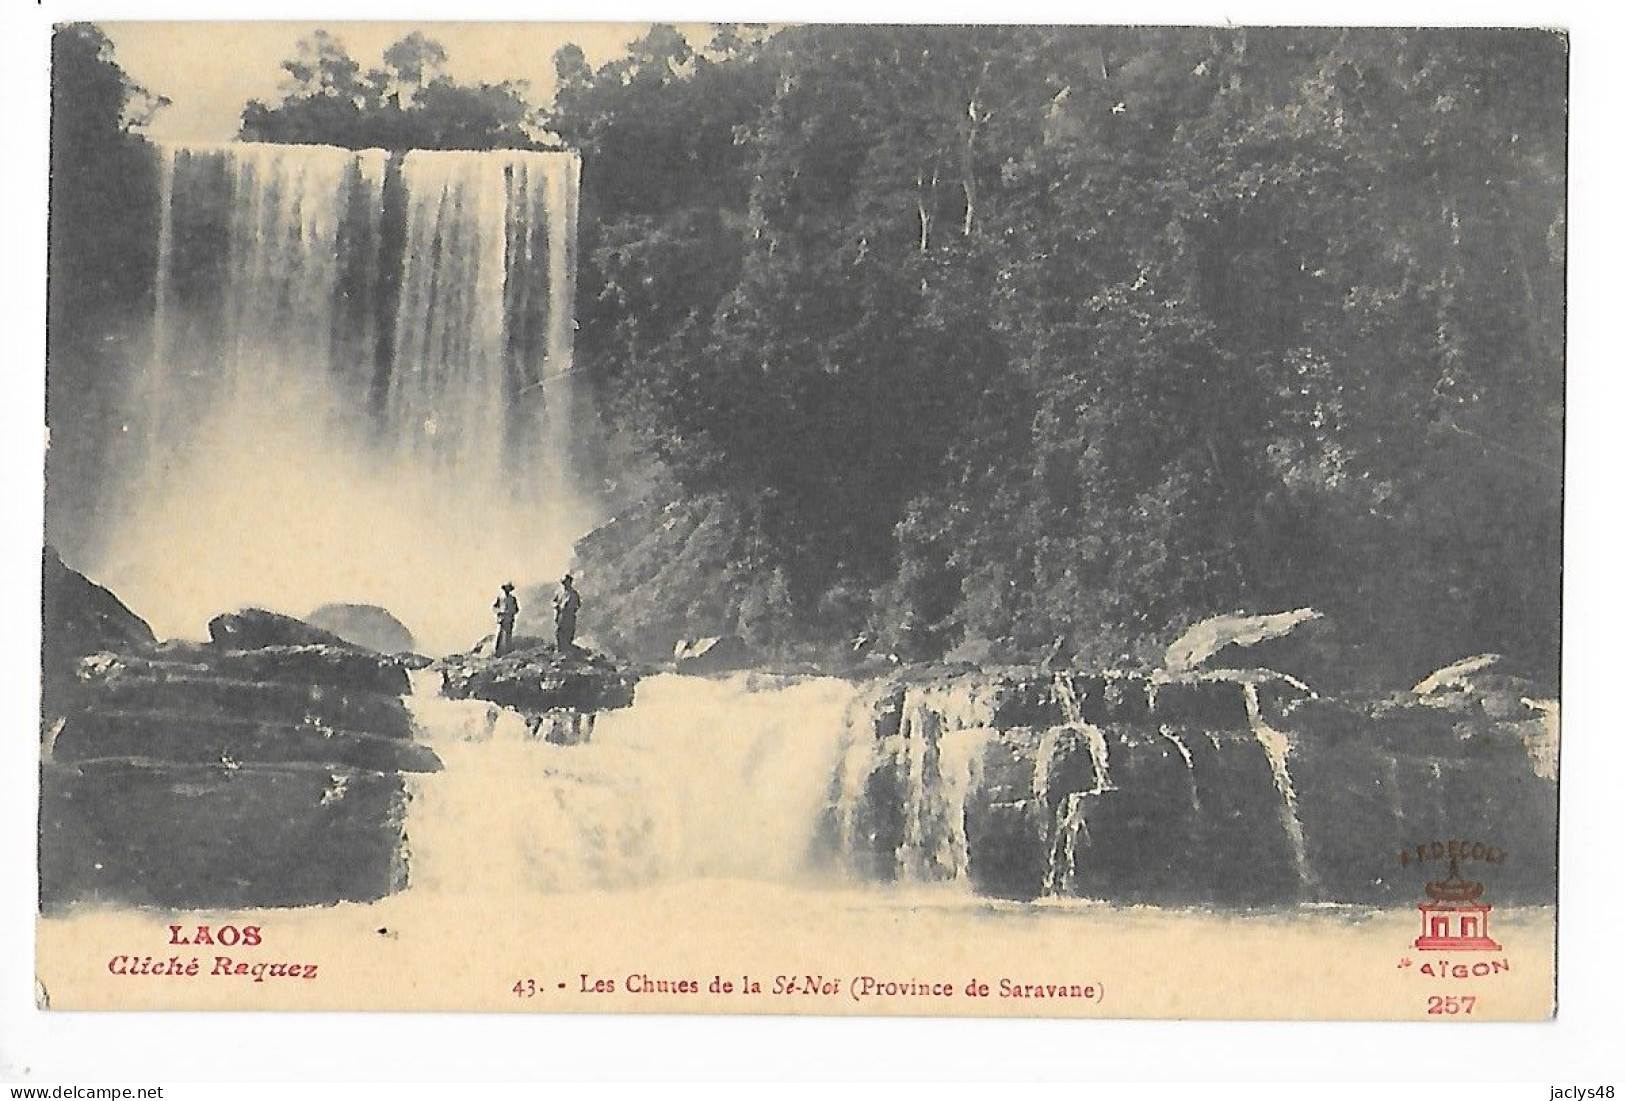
(566, 604)
(506, 607)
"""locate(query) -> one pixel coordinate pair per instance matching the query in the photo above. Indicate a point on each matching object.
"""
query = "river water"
(694, 844)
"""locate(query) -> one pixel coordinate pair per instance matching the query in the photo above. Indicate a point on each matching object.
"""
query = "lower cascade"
(1223, 788)
(278, 765)
(698, 779)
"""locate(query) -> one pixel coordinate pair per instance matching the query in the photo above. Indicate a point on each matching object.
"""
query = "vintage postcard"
(824, 519)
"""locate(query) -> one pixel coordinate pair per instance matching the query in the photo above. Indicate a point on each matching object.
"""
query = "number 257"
(1450, 1005)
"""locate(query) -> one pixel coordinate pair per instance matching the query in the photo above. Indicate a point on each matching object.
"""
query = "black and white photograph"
(828, 519)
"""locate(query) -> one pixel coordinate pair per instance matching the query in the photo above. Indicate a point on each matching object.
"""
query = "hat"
(569, 577)
(507, 586)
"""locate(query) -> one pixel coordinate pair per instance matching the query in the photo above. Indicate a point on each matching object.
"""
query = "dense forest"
(1004, 336)
(1004, 341)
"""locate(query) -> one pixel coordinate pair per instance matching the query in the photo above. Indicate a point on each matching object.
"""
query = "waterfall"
(1277, 746)
(1069, 835)
(1542, 742)
(995, 784)
(1068, 811)
(1173, 739)
(943, 734)
(698, 779)
(1062, 819)
(942, 769)
(359, 387)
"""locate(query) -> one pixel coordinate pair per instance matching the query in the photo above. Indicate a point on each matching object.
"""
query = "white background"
(146, 1049)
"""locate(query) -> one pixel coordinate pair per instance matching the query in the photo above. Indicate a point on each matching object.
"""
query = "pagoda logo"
(1455, 918)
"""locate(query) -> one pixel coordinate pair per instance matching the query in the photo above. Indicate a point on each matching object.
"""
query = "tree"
(409, 65)
(103, 236)
(408, 103)
(323, 68)
(1010, 334)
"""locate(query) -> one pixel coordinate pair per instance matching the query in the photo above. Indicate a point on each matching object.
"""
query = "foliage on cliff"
(407, 102)
(1001, 335)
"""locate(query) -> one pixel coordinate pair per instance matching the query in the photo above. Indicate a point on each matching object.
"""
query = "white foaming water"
(936, 760)
(699, 779)
(961, 761)
(749, 777)
(1278, 747)
(359, 388)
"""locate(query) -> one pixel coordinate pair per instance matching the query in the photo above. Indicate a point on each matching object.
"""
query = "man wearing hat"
(566, 604)
(506, 607)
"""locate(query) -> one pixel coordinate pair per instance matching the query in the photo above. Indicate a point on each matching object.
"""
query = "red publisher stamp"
(1455, 918)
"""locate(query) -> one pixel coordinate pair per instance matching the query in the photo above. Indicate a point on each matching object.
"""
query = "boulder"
(315, 706)
(339, 666)
(231, 743)
(263, 768)
(81, 617)
(364, 625)
(256, 628)
(537, 679)
(184, 650)
(203, 836)
(1455, 675)
(483, 648)
(1477, 686)
(1508, 697)
(712, 654)
(235, 692)
(1204, 640)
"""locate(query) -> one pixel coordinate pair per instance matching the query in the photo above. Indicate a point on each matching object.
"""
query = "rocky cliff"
(1224, 787)
(262, 768)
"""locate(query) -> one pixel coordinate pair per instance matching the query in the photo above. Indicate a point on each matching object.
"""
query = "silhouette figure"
(506, 607)
(566, 606)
